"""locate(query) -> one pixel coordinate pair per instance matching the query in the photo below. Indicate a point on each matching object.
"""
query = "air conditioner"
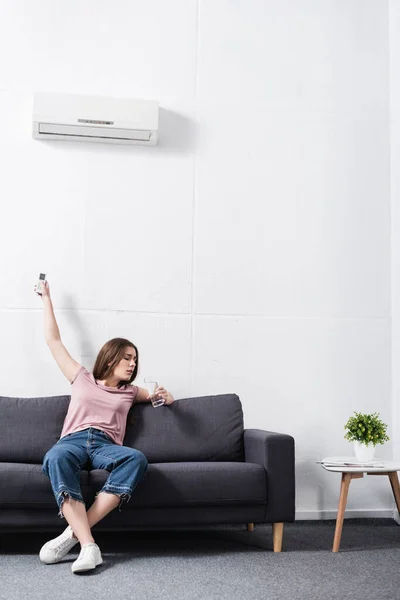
(95, 119)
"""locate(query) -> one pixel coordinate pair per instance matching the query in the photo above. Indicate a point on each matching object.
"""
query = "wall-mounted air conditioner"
(95, 119)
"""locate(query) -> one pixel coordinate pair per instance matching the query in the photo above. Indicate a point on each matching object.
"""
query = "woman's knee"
(137, 458)
(59, 457)
(51, 456)
(140, 457)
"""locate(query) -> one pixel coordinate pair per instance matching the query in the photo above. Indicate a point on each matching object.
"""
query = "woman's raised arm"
(67, 364)
(51, 331)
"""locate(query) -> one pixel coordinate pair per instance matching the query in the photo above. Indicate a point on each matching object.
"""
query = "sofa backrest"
(191, 429)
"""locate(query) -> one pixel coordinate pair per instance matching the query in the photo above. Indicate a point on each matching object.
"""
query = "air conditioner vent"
(95, 119)
(80, 131)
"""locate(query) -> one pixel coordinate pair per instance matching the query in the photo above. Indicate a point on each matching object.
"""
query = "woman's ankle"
(87, 543)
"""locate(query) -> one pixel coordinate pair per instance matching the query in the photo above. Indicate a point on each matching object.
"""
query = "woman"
(91, 438)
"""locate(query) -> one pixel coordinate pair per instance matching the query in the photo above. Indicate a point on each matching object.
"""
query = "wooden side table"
(348, 473)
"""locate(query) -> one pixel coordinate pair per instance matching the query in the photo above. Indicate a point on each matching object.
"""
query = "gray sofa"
(204, 467)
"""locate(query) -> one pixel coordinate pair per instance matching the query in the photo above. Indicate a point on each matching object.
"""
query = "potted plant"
(365, 431)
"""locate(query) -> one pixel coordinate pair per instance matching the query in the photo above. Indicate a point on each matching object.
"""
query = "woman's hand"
(162, 392)
(43, 288)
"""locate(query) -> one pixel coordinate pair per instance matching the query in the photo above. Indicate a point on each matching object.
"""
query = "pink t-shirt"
(96, 405)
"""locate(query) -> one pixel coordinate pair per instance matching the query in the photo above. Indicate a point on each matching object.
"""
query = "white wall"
(250, 251)
(394, 13)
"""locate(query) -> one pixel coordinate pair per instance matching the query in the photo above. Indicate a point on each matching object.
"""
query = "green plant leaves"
(366, 429)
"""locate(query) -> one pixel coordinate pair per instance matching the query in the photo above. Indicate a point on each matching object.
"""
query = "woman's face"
(126, 365)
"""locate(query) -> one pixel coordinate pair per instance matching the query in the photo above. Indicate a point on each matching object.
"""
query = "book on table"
(372, 464)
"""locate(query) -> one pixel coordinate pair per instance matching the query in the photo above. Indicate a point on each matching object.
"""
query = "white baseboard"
(322, 515)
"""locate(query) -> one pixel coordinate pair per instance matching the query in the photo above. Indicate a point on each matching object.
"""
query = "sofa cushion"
(195, 483)
(165, 484)
(192, 429)
(207, 428)
(26, 484)
(29, 427)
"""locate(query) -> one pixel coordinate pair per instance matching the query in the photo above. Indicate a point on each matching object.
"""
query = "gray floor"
(219, 562)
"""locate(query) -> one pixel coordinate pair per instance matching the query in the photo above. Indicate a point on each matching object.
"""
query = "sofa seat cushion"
(165, 484)
(26, 484)
(195, 484)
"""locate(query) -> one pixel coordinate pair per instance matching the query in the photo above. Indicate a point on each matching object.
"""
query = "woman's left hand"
(162, 392)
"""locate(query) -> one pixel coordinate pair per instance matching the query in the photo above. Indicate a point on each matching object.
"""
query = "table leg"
(344, 490)
(277, 533)
(394, 482)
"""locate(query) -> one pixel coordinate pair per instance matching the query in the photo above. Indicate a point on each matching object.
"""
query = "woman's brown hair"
(112, 352)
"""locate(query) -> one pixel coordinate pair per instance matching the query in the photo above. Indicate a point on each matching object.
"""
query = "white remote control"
(42, 279)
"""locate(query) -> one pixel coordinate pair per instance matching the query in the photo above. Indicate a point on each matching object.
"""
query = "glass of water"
(152, 385)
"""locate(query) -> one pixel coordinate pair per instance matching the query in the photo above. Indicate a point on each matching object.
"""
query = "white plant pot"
(363, 451)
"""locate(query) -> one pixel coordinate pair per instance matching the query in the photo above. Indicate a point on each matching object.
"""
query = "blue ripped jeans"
(92, 449)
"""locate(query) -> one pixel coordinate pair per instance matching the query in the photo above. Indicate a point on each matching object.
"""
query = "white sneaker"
(54, 550)
(89, 558)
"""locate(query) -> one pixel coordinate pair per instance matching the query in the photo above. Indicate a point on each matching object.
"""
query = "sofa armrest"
(276, 453)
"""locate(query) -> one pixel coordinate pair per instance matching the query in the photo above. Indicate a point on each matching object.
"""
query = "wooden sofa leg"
(250, 526)
(277, 533)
